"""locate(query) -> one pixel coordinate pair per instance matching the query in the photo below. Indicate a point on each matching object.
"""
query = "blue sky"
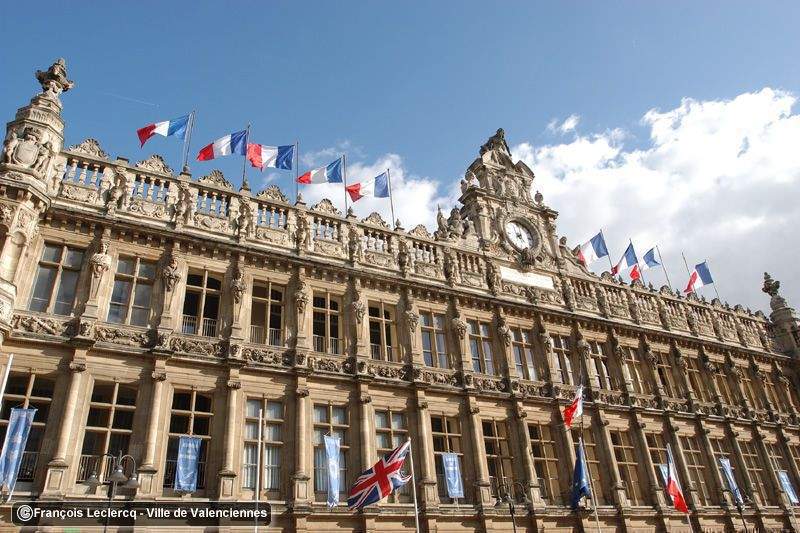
(427, 82)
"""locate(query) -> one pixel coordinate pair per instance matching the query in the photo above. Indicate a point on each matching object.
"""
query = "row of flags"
(595, 248)
(263, 156)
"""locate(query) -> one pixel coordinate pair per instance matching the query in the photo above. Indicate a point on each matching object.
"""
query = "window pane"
(339, 415)
(121, 292)
(381, 419)
(252, 407)
(147, 270)
(126, 265)
(43, 288)
(66, 292)
(202, 403)
(74, 258)
(274, 410)
(123, 420)
(320, 414)
(139, 316)
(51, 253)
(142, 295)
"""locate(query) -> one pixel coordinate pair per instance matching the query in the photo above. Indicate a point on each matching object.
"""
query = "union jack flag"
(382, 479)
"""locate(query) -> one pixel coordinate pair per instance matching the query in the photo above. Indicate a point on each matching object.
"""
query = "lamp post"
(505, 495)
(117, 477)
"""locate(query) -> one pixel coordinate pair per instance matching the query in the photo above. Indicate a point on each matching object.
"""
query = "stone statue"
(54, 80)
(9, 145)
(496, 142)
(455, 224)
(301, 298)
(238, 285)
(442, 231)
(99, 264)
(772, 287)
(184, 205)
(493, 280)
(355, 247)
(170, 273)
(43, 157)
(117, 191)
(303, 232)
(244, 220)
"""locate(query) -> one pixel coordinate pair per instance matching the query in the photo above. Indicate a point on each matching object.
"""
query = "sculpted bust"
(99, 263)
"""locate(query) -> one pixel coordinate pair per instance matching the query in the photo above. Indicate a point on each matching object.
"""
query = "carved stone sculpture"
(301, 297)
(182, 212)
(355, 248)
(9, 145)
(245, 226)
(54, 80)
(170, 273)
(238, 285)
(117, 191)
(99, 264)
(493, 279)
(302, 233)
(771, 287)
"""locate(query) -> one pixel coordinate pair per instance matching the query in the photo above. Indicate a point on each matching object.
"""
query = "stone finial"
(772, 287)
(54, 80)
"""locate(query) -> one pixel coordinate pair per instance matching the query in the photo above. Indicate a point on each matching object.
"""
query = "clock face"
(519, 235)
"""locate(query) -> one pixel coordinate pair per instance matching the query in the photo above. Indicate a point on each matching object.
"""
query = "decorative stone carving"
(412, 319)
(450, 267)
(121, 336)
(301, 297)
(493, 279)
(99, 264)
(460, 327)
(217, 179)
(238, 285)
(155, 163)
(772, 288)
(196, 347)
(54, 80)
(35, 324)
(302, 235)
(375, 219)
(170, 273)
(503, 329)
(245, 223)
(355, 246)
(116, 194)
(29, 151)
(89, 147)
(325, 206)
(442, 230)
(273, 193)
(420, 231)
(265, 356)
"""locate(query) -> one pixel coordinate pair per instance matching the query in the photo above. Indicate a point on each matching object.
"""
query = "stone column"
(736, 452)
(227, 475)
(483, 496)
(56, 481)
(638, 426)
(303, 448)
(459, 328)
(529, 478)
(149, 468)
(240, 288)
(366, 418)
(771, 468)
(172, 287)
(412, 338)
(425, 459)
(504, 344)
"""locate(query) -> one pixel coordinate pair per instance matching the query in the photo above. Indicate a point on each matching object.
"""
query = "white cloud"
(569, 125)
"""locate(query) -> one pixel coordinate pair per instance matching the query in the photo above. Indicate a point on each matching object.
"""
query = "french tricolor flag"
(176, 126)
(699, 278)
(628, 260)
(235, 143)
(329, 174)
(261, 156)
(575, 408)
(671, 483)
(377, 187)
(593, 250)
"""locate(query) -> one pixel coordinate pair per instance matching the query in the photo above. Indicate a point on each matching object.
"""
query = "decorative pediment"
(420, 231)
(273, 192)
(89, 147)
(327, 207)
(155, 163)
(375, 219)
(217, 179)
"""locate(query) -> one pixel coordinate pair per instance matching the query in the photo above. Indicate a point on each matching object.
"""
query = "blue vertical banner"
(783, 476)
(452, 475)
(188, 458)
(580, 478)
(332, 446)
(19, 427)
(725, 463)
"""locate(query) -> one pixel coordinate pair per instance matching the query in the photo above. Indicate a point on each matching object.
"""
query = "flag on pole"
(580, 478)
(235, 143)
(328, 174)
(593, 250)
(188, 459)
(725, 463)
(176, 127)
(377, 187)
(786, 483)
(261, 156)
(452, 475)
(628, 260)
(332, 446)
(575, 408)
(19, 427)
(376, 483)
(700, 277)
(671, 483)
(649, 259)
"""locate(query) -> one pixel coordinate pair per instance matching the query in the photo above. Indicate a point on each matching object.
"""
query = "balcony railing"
(90, 464)
(333, 347)
(27, 467)
(273, 336)
(171, 466)
(381, 353)
(208, 327)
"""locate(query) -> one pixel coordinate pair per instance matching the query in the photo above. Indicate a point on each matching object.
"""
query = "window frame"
(388, 348)
(448, 437)
(268, 336)
(480, 343)
(522, 348)
(327, 343)
(320, 493)
(193, 414)
(436, 356)
(135, 281)
(201, 329)
(250, 442)
(60, 267)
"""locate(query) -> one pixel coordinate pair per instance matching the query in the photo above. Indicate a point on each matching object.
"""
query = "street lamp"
(117, 477)
(504, 495)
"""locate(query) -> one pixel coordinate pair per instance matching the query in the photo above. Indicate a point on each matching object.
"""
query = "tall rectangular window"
(480, 347)
(201, 304)
(602, 377)
(562, 359)
(108, 429)
(545, 462)
(330, 420)
(721, 449)
(28, 391)
(636, 370)
(664, 374)
(775, 398)
(446, 432)
(382, 332)
(391, 431)
(750, 392)
(599, 488)
(271, 440)
(327, 330)
(699, 386)
(628, 466)
(190, 415)
(697, 469)
(755, 468)
(56, 280)
(434, 343)
(133, 290)
(266, 313)
(522, 345)
(657, 449)
(498, 454)
(724, 387)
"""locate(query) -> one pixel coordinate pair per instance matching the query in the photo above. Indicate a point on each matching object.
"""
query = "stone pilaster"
(366, 417)
(227, 475)
(301, 478)
(654, 486)
(301, 310)
(240, 289)
(529, 478)
(149, 468)
(483, 493)
(427, 469)
(359, 321)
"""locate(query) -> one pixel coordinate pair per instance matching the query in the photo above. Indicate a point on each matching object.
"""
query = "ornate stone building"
(142, 304)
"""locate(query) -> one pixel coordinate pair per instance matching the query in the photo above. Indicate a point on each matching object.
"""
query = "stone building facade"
(142, 304)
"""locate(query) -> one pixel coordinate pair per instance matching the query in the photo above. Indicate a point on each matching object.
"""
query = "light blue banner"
(728, 471)
(452, 475)
(188, 457)
(19, 427)
(332, 445)
(783, 475)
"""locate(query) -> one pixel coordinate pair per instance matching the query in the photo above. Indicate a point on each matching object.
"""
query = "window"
(755, 468)
(794, 451)
(753, 397)
(697, 469)
(271, 440)
(657, 449)
(446, 432)
(28, 391)
(776, 459)
(774, 397)
(56, 280)
(434, 343)
(636, 370)
(201, 304)
(545, 462)
(382, 332)
(561, 359)
(329, 420)
(696, 380)
(498, 454)
(521, 344)
(326, 324)
(599, 361)
(593, 463)
(480, 346)
(724, 387)
(628, 466)
(134, 277)
(266, 314)
(391, 431)
(666, 379)
(108, 428)
(191, 415)
(719, 446)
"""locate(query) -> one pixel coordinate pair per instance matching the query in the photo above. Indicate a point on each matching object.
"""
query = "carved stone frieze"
(266, 356)
(40, 325)
(205, 348)
(118, 335)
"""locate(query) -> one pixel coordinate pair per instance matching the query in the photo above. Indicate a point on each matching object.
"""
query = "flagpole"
(344, 175)
(296, 168)
(588, 471)
(413, 485)
(245, 185)
(607, 250)
(187, 141)
(715, 283)
(663, 267)
(686, 264)
(391, 200)
(258, 465)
